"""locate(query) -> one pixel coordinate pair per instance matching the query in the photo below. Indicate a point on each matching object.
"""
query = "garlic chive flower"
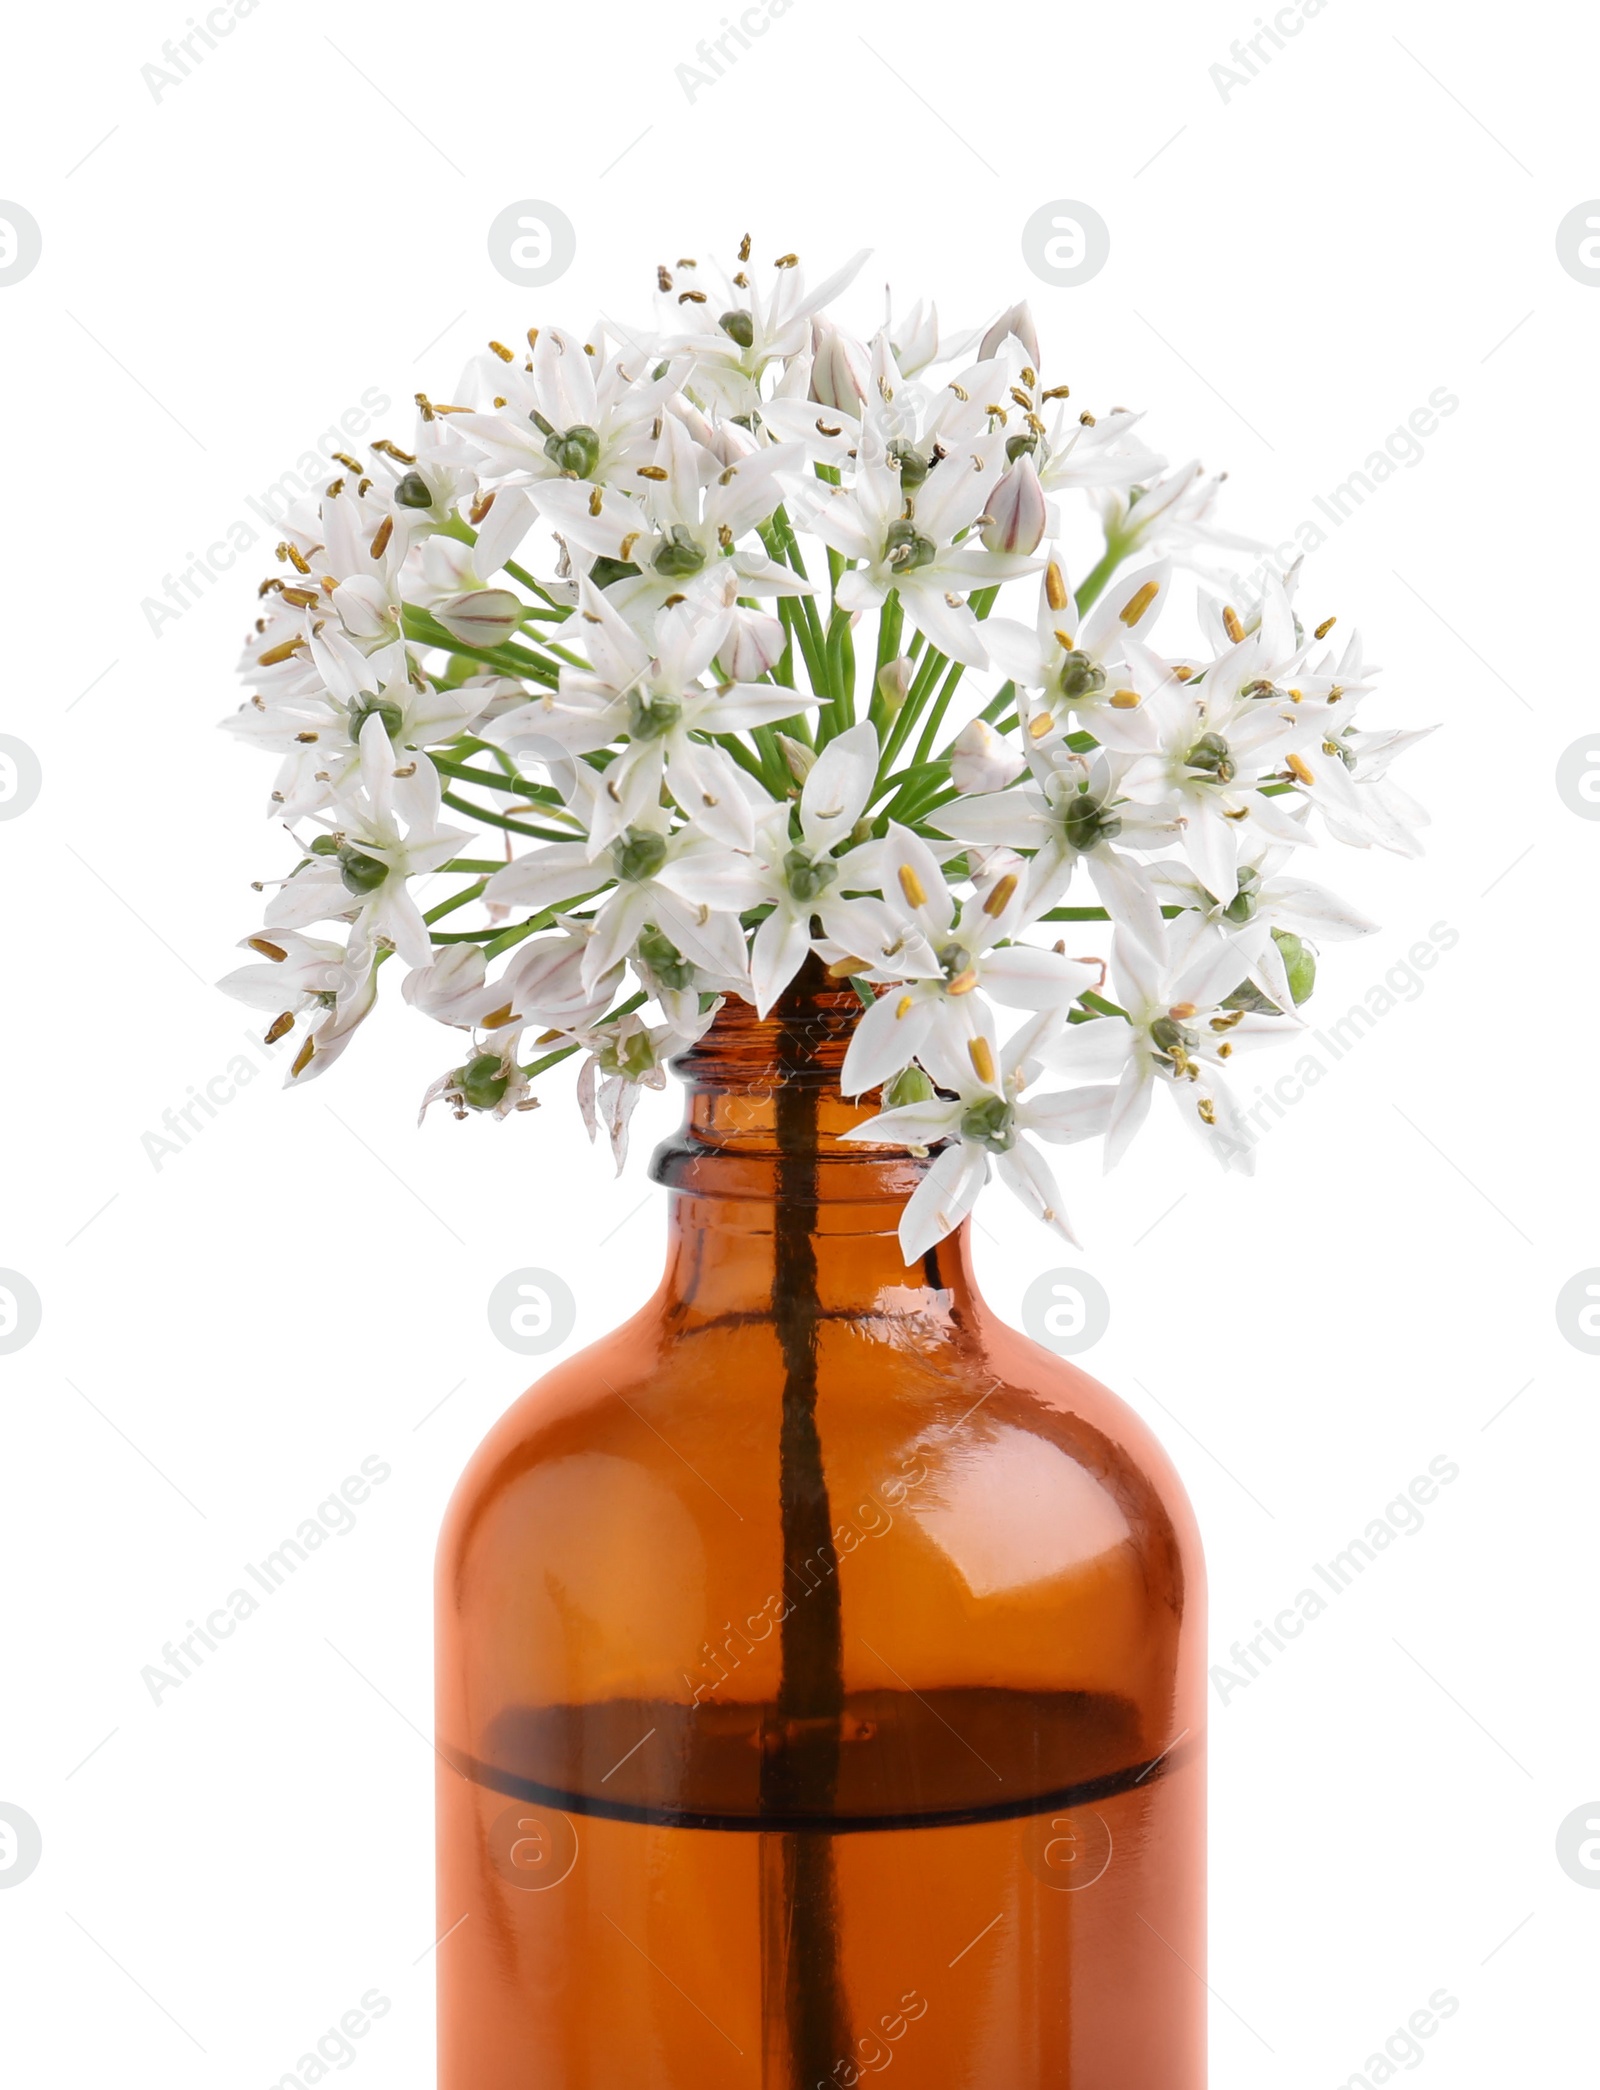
(777, 626)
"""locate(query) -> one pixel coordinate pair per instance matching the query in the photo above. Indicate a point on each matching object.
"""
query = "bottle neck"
(770, 1200)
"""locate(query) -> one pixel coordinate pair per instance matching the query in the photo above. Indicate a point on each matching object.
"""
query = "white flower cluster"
(691, 626)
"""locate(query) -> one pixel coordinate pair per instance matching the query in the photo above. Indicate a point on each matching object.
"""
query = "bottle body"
(820, 1677)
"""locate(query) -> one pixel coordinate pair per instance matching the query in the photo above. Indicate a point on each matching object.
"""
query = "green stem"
(1095, 579)
(515, 827)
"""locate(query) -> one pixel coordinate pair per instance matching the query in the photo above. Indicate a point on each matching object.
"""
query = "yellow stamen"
(963, 983)
(1207, 1110)
(1231, 624)
(1302, 769)
(1055, 586)
(1000, 899)
(303, 1057)
(903, 1007)
(279, 1027)
(502, 351)
(1182, 1010)
(1136, 605)
(500, 1018)
(1125, 700)
(978, 1051)
(1324, 627)
(1063, 639)
(381, 536)
(651, 471)
(911, 886)
(274, 654)
(274, 951)
(1040, 725)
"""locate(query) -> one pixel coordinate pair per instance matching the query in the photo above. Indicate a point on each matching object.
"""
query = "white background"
(302, 1285)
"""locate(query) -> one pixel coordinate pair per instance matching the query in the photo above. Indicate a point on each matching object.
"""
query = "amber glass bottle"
(820, 1672)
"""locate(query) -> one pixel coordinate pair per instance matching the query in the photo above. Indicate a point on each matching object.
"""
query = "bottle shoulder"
(967, 1436)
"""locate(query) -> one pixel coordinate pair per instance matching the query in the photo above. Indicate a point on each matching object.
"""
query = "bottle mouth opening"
(800, 1043)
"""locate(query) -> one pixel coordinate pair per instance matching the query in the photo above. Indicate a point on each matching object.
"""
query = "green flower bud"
(604, 571)
(910, 1085)
(639, 854)
(1299, 962)
(361, 873)
(1249, 997)
(1080, 677)
(738, 326)
(577, 451)
(1020, 446)
(375, 707)
(413, 492)
(807, 880)
(1086, 824)
(914, 467)
(992, 1124)
(665, 960)
(482, 1082)
(1212, 755)
(1246, 902)
(680, 555)
(323, 845)
(907, 548)
(1170, 1039)
(651, 717)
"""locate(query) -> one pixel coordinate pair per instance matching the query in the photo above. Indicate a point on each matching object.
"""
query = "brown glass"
(820, 1672)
